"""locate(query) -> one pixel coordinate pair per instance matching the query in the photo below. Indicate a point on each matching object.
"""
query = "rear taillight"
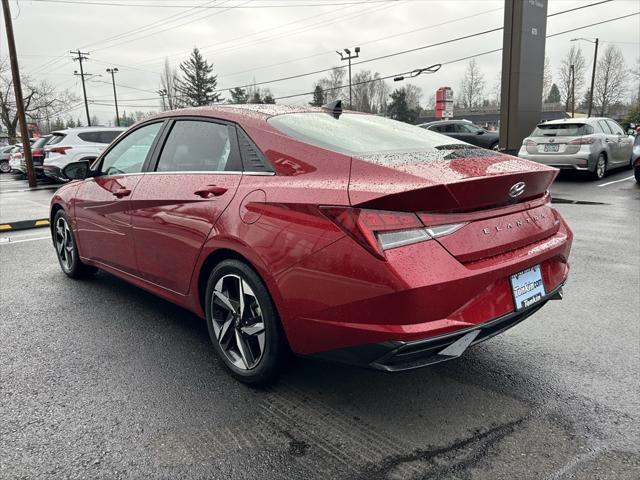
(37, 151)
(380, 230)
(529, 143)
(582, 141)
(60, 150)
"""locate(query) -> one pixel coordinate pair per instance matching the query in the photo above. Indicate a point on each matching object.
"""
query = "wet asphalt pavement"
(99, 379)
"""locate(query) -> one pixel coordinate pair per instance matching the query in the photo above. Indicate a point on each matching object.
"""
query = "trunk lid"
(470, 186)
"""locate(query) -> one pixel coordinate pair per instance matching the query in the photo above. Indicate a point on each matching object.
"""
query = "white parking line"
(615, 181)
(10, 241)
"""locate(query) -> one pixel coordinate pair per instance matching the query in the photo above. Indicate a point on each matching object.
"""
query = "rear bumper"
(395, 356)
(582, 160)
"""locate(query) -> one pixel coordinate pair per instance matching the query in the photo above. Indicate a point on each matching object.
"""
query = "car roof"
(444, 122)
(67, 131)
(246, 113)
(573, 120)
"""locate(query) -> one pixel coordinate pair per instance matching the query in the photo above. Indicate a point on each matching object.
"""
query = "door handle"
(123, 192)
(210, 191)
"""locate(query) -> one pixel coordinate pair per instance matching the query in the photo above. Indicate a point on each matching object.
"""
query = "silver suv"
(590, 144)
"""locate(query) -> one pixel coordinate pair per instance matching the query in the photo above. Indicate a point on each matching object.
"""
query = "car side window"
(198, 146)
(605, 127)
(615, 128)
(451, 128)
(129, 154)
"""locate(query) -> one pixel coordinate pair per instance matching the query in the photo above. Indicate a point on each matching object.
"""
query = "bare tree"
(472, 85)
(40, 99)
(369, 92)
(573, 57)
(496, 90)
(610, 86)
(414, 96)
(333, 84)
(168, 83)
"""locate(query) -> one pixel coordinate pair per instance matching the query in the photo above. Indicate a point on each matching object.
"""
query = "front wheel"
(243, 323)
(67, 250)
(600, 168)
(5, 167)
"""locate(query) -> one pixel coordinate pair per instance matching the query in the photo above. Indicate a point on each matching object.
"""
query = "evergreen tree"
(318, 97)
(78, 122)
(268, 97)
(399, 109)
(238, 95)
(256, 98)
(197, 85)
(70, 123)
(554, 94)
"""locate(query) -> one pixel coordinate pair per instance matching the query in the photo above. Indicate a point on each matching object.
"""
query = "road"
(99, 379)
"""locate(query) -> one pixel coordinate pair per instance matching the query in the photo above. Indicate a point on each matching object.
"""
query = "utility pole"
(17, 89)
(113, 71)
(593, 72)
(80, 57)
(346, 55)
(162, 94)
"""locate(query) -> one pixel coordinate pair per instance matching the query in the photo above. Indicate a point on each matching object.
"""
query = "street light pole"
(162, 94)
(113, 71)
(573, 90)
(346, 55)
(17, 89)
(593, 72)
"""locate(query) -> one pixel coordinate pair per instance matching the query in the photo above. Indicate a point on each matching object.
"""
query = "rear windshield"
(353, 133)
(41, 142)
(562, 130)
(56, 138)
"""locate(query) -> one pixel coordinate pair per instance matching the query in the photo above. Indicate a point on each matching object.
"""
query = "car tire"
(495, 146)
(247, 336)
(67, 249)
(600, 168)
(636, 173)
(5, 167)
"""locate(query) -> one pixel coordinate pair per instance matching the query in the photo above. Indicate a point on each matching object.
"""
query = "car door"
(103, 202)
(610, 140)
(624, 142)
(195, 176)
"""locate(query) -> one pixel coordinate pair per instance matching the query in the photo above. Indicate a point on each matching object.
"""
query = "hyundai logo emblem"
(517, 189)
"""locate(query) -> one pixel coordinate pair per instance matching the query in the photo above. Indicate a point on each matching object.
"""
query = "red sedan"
(336, 234)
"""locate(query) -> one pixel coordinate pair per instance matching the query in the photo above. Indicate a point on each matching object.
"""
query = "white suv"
(74, 145)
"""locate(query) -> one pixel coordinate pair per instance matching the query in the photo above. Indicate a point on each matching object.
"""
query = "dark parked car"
(466, 131)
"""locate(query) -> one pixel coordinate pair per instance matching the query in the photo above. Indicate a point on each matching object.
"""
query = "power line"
(469, 56)
(243, 6)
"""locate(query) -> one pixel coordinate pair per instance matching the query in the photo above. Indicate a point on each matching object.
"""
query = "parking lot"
(99, 379)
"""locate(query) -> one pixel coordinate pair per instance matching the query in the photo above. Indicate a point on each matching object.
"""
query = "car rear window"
(56, 138)
(353, 133)
(41, 142)
(99, 136)
(562, 130)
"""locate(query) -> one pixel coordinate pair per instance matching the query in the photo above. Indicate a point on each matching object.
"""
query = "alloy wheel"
(601, 167)
(5, 167)
(237, 321)
(64, 244)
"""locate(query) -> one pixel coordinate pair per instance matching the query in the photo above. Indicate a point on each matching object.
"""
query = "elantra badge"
(517, 189)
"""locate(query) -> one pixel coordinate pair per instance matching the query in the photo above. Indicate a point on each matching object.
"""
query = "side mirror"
(631, 131)
(480, 132)
(76, 170)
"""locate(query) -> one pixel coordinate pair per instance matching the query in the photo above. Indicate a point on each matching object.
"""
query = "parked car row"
(51, 153)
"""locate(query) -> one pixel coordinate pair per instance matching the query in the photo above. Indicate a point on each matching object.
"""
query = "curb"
(24, 225)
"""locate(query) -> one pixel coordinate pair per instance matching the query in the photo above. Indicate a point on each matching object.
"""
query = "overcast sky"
(244, 44)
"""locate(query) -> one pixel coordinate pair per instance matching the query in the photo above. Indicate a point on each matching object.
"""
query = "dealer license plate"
(551, 147)
(528, 287)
